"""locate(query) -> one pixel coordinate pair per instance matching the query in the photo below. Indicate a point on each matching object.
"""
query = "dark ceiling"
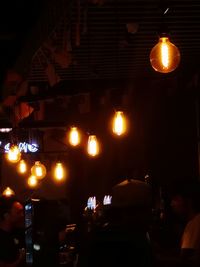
(114, 39)
(52, 41)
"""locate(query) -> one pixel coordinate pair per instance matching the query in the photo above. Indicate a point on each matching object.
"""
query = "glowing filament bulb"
(8, 192)
(119, 124)
(93, 146)
(32, 181)
(22, 168)
(14, 154)
(59, 172)
(38, 170)
(74, 136)
(165, 54)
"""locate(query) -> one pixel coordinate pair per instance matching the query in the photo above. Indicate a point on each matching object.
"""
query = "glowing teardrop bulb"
(74, 136)
(119, 123)
(93, 146)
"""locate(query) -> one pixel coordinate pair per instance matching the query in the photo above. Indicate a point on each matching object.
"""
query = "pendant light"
(59, 172)
(74, 136)
(8, 192)
(93, 146)
(119, 126)
(22, 168)
(38, 170)
(32, 181)
(13, 155)
(164, 56)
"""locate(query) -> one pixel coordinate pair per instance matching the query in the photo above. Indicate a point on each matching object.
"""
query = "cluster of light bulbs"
(38, 170)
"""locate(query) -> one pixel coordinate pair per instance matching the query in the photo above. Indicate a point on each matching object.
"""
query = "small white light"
(36, 247)
(5, 130)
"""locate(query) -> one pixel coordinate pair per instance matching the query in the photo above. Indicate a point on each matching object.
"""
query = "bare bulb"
(164, 56)
(38, 170)
(22, 168)
(119, 123)
(59, 172)
(13, 154)
(93, 146)
(74, 136)
(32, 181)
(8, 192)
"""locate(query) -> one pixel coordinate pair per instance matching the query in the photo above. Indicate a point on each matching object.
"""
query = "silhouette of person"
(11, 218)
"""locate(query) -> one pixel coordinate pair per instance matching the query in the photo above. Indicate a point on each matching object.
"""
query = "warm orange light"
(32, 181)
(119, 123)
(164, 56)
(93, 146)
(74, 136)
(38, 170)
(8, 192)
(59, 172)
(13, 154)
(22, 168)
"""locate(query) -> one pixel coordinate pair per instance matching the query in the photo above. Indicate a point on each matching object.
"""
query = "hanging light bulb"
(38, 170)
(74, 136)
(93, 146)
(32, 181)
(164, 56)
(59, 172)
(119, 123)
(8, 192)
(22, 168)
(13, 154)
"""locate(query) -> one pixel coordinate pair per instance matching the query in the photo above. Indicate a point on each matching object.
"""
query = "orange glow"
(38, 170)
(119, 123)
(8, 192)
(22, 168)
(13, 154)
(164, 56)
(32, 181)
(59, 172)
(93, 146)
(74, 136)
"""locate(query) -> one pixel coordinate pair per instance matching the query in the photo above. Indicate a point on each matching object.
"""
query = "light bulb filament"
(165, 55)
(93, 148)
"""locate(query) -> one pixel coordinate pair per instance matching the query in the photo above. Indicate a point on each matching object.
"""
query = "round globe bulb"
(164, 56)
